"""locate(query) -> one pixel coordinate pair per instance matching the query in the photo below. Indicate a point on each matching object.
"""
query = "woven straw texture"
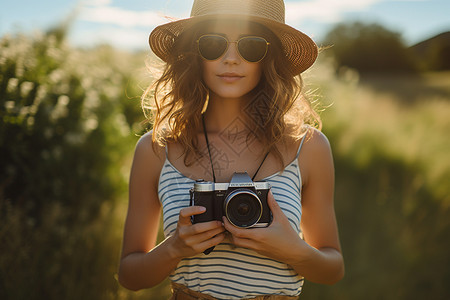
(299, 49)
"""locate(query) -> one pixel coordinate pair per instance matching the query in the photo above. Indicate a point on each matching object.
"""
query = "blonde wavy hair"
(176, 100)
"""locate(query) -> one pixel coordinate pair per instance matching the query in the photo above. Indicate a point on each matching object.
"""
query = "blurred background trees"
(70, 119)
(372, 48)
(369, 48)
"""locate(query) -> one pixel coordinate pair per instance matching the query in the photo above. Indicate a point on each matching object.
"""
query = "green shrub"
(64, 139)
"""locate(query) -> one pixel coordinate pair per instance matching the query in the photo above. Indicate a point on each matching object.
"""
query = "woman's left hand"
(278, 241)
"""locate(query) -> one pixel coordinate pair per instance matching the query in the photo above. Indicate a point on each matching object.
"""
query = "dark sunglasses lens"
(252, 49)
(212, 47)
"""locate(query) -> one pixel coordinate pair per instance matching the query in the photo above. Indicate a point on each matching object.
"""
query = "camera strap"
(210, 156)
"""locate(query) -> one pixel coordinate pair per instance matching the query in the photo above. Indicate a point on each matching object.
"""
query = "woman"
(230, 100)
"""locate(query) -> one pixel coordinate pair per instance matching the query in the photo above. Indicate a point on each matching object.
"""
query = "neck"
(222, 114)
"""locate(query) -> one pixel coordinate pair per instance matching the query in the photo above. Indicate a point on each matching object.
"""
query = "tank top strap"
(301, 142)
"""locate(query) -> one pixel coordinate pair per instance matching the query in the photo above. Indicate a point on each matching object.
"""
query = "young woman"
(230, 100)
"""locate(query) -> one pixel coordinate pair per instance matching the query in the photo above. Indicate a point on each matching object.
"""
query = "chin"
(233, 94)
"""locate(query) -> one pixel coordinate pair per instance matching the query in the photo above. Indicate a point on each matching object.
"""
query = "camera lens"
(243, 208)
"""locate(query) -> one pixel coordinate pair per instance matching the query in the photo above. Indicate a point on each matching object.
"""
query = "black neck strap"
(210, 156)
(207, 145)
(257, 170)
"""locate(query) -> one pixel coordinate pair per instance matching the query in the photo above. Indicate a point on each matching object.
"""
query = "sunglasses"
(251, 48)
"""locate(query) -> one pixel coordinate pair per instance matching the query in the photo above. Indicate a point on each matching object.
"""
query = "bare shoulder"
(146, 147)
(148, 157)
(316, 141)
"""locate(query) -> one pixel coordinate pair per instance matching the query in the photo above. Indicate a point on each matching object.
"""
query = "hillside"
(434, 53)
(421, 47)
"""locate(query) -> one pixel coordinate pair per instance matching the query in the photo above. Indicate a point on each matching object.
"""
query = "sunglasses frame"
(228, 46)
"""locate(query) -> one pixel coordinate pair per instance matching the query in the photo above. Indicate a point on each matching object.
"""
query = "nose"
(232, 55)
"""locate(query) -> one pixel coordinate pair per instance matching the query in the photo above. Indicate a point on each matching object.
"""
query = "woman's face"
(230, 76)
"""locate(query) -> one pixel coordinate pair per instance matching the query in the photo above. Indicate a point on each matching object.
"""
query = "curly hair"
(179, 96)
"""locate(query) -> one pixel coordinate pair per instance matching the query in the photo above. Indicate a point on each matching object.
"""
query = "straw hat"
(300, 49)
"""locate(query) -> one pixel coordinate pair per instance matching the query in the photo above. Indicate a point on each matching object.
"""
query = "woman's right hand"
(191, 239)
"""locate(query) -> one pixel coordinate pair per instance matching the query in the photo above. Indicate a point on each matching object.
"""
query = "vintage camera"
(242, 201)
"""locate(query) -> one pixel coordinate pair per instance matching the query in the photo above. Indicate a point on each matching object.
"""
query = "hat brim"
(299, 49)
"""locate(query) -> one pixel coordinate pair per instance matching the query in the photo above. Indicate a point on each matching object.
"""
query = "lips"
(230, 77)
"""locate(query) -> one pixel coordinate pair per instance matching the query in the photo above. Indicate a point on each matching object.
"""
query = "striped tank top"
(230, 272)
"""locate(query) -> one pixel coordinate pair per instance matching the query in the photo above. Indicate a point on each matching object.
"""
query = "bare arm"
(323, 263)
(318, 258)
(143, 265)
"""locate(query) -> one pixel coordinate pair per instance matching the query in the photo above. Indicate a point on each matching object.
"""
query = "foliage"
(369, 48)
(63, 137)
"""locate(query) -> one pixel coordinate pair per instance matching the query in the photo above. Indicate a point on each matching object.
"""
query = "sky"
(126, 24)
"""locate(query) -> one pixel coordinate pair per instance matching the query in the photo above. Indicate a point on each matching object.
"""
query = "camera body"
(242, 201)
